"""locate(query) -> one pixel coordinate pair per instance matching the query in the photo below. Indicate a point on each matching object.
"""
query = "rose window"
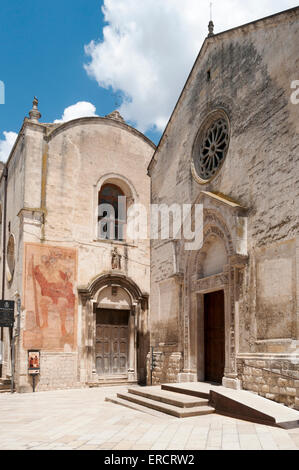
(211, 147)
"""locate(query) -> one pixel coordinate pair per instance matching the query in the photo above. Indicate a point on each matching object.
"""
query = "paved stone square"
(82, 420)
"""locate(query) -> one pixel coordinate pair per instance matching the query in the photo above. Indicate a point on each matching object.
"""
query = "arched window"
(112, 212)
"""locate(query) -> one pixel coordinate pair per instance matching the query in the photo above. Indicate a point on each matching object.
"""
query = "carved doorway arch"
(136, 304)
(197, 285)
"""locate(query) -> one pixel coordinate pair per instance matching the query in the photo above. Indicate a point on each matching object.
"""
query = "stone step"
(5, 386)
(187, 389)
(134, 406)
(5, 382)
(171, 398)
(166, 408)
(110, 383)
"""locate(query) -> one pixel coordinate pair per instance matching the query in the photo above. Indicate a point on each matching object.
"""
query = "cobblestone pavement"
(81, 419)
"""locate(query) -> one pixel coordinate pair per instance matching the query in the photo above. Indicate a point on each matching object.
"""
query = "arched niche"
(114, 297)
(215, 233)
(213, 257)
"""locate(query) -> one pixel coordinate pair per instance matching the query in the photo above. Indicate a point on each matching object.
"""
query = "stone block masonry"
(166, 367)
(277, 380)
(65, 367)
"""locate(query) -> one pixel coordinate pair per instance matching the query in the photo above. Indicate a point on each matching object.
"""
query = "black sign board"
(7, 309)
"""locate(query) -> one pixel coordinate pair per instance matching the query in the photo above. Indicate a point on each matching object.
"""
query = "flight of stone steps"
(165, 401)
(5, 385)
(106, 382)
(201, 398)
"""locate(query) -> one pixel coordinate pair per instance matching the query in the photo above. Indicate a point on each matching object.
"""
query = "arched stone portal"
(113, 317)
(212, 278)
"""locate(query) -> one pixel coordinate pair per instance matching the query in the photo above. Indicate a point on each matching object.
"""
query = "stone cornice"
(87, 292)
(98, 120)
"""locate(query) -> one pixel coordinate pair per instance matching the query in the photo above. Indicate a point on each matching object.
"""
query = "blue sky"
(42, 54)
(138, 63)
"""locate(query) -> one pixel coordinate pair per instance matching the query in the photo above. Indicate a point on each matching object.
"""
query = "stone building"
(83, 285)
(228, 312)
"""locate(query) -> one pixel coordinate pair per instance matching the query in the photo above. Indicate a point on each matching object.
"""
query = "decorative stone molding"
(34, 114)
(94, 120)
(115, 279)
(211, 283)
(31, 215)
(116, 116)
(138, 307)
(230, 280)
(214, 224)
(210, 146)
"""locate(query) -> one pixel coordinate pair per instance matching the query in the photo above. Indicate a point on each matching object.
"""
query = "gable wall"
(251, 73)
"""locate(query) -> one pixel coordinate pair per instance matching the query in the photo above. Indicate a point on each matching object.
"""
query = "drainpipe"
(5, 175)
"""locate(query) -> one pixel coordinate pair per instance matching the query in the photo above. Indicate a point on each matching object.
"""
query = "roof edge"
(98, 119)
(208, 40)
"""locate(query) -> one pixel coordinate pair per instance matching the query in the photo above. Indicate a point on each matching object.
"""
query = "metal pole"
(12, 361)
(33, 382)
(16, 335)
(12, 354)
(152, 364)
(5, 175)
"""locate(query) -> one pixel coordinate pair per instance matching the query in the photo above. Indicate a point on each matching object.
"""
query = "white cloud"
(7, 144)
(149, 47)
(78, 110)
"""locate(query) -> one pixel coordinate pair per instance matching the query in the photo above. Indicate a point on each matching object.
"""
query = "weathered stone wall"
(251, 70)
(276, 379)
(80, 158)
(58, 371)
(15, 201)
(65, 375)
(166, 366)
(55, 175)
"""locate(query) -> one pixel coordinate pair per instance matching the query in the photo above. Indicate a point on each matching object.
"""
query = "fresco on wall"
(50, 302)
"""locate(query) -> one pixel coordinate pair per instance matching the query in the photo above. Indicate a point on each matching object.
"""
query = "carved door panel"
(214, 336)
(103, 352)
(112, 346)
(119, 350)
(123, 349)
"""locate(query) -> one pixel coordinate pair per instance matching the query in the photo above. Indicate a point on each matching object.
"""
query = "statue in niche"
(115, 259)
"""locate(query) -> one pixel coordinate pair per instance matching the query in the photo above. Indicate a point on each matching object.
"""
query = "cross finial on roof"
(211, 24)
(34, 114)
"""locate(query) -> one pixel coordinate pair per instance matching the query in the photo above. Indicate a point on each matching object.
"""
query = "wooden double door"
(112, 334)
(214, 330)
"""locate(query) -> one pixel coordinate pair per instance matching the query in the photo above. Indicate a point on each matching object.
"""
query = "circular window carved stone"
(210, 147)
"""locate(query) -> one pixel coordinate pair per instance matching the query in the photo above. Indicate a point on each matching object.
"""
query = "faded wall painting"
(49, 298)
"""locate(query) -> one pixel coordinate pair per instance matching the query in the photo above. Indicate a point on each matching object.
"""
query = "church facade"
(97, 307)
(228, 312)
(83, 287)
